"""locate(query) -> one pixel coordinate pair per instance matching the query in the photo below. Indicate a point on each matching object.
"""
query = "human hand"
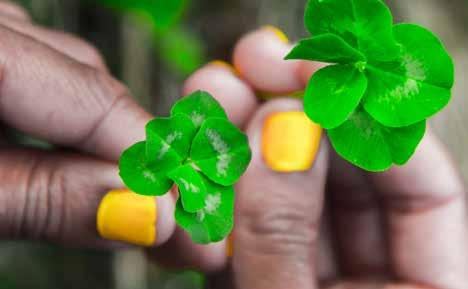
(333, 226)
(56, 87)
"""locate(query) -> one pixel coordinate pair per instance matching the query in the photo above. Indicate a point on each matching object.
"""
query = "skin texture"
(403, 229)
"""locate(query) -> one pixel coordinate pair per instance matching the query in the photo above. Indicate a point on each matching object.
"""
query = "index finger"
(259, 58)
(51, 96)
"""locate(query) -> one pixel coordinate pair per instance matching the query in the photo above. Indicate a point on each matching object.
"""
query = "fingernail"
(290, 141)
(229, 247)
(225, 65)
(278, 32)
(128, 217)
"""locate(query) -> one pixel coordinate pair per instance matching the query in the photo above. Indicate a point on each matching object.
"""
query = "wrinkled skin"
(333, 226)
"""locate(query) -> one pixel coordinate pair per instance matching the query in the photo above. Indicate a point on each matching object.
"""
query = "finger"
(55, 197)
(278, 210)
(373, 285)
(182, 253)
(238, 99)
(356, 221)
(14, 11)
(426, 217)
(220, 79)
(69, 45)
(64, 101)
(259, 55)
(327, 267)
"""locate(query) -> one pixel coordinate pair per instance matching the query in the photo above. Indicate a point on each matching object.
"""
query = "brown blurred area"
(132, 52)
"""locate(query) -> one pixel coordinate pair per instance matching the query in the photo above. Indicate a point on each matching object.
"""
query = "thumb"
(280, 200)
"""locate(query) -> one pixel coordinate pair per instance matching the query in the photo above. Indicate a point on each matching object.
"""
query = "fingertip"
(220, 79)
(134, 219)
(259, 58)
(306, 69)
(165, 223)
(14, 11)
(182, 253)
(284, 141)
(278, 33)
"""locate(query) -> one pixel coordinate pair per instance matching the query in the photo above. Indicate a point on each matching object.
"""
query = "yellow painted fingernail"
(229, 247)
(128, 217)
(226, 65)
(290, 141)
(278, 32)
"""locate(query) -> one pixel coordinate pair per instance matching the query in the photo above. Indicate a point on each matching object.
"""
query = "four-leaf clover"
(385, 81)
(203, 153)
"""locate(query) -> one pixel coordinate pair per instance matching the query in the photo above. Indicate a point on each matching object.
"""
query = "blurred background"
(152, 46)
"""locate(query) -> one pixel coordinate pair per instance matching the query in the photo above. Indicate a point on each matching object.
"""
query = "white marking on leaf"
(212, 204)
(176, 135)
(197, 118)
(201, 215)
(364, 124)
(149, 175)
(414, 67)
(222, 148)
(189, 186)
(403, 91)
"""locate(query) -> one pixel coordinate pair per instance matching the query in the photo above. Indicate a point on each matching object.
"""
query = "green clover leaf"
(364, 24)
(414, 88)
(221, 151)
(169, 140)
(318, 48)
(388, 79)
(199, 150)
(199, 106)
(333, 93)
(214, 221)
(139, 175)
(191, 186)
(366, 143)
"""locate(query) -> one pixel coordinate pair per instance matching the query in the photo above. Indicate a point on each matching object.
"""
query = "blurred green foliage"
(163, 13)
(179, 280)
(181, 50)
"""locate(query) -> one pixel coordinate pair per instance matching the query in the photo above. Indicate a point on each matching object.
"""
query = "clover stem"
(191, 163)
(361, 65)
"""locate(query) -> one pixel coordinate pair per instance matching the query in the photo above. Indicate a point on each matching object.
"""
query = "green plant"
(176, 45)
(385, 81)
(163, 13)
(199, 150)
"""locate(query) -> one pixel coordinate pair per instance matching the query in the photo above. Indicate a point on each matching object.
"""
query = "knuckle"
(280, 227)
(107, 94)
(14, 10)
(92, 56)
(43, 200)
(30, 199)
(420, 203)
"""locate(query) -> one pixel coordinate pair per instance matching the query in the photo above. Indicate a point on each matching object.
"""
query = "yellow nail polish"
(224, 64)
(229, 247)
(290, 141)
(279, 33)
(127, 217)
